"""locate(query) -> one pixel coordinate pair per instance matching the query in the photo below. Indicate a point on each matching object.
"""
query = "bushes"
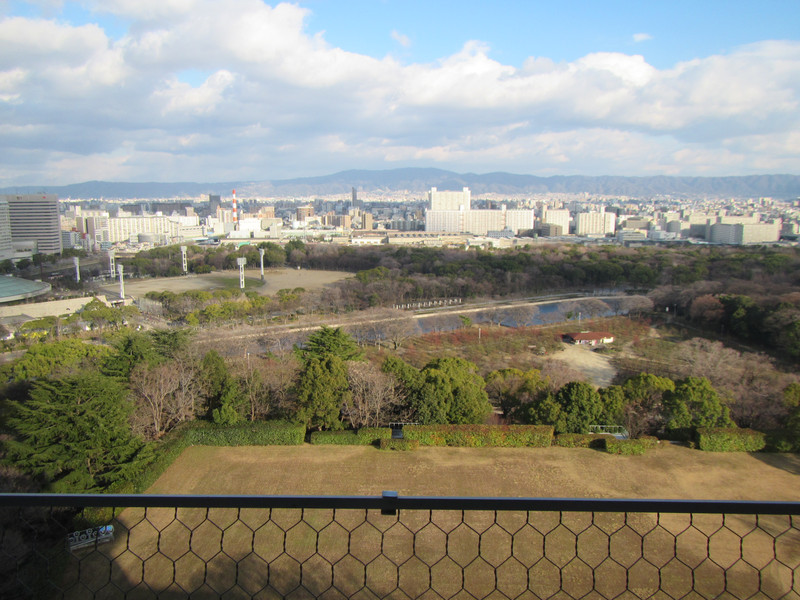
(366, 436)
(730, 439)
(580, 440)
(395, 444)
(475, 436)
(630, 447)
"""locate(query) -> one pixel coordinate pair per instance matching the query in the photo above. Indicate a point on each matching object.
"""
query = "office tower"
(34, 217)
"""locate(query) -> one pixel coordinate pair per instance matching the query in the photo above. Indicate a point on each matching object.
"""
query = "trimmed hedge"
(630, 447)
(395, 444)
(366, 436)
(475, 436)
(730, 439)
(581, 440)
(267, 433)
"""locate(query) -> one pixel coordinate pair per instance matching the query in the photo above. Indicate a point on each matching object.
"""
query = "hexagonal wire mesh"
(340, 547)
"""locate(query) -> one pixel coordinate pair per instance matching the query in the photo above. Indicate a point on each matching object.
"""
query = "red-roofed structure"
(592, 338)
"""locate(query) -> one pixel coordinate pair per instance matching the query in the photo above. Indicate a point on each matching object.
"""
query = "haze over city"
(196, 90)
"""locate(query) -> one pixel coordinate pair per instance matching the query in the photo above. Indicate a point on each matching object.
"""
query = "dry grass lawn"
(667, 472)
(320, 553)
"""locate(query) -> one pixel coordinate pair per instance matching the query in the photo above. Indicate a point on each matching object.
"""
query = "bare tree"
(249, 372)
(397, 326)
(153, 388)
(374, 399)
(279, 376)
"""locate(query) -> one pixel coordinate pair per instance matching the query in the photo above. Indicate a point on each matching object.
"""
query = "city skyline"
(197, 90)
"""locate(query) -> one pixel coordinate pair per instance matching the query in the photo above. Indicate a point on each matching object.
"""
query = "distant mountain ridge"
(418, 180)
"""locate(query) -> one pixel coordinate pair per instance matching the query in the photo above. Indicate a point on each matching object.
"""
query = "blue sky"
(204, 90)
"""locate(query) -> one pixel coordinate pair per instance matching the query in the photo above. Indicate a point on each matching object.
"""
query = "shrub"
(630, 447)
(730, 439)
(268, 433)
(395, 444)
(580, 440)
(474, 436)
(366, 436)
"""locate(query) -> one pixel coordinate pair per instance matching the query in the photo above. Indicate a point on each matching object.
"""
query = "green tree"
(613, 398)
(53, 359)
(791, 399)
(644, 395)
(128, 352)
(694, 403)
(73, 433)
(330, 341)
(228, 409)
(452, 390)
(514, 391)
(579, 405)
(321, 390)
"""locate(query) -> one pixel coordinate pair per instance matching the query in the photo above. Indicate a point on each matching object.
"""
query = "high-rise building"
(6, 249)
(34, 217)
(449, 200)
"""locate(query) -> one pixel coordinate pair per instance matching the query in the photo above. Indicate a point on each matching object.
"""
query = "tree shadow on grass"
(786, 461)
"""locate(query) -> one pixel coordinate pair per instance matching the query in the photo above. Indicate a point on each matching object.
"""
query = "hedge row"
(265, 433)
(730, 439)
(630, 447)
(473, 436)
(395, 444)
(580, 440)
(366, 436)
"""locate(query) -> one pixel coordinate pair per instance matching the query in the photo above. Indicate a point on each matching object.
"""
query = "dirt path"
(597, 367)
(667, 472)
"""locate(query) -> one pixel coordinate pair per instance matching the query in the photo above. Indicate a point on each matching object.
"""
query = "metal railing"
(397, 547)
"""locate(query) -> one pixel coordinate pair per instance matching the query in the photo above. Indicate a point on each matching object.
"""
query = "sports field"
(274, 280)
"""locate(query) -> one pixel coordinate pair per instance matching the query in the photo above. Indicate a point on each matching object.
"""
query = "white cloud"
(401, 39)
(280, 101)
(641, 37)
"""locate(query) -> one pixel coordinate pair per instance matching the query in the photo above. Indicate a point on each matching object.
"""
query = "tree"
(165, 394)
(613, 399)
(329, 341)
(128, 352)
(514, 391)
(579, 407)
(694, 403)
(791, 399)
(455, 391)
(322, 389)
(73, 433)
(53, 359)
(373, 399)
(643, 403)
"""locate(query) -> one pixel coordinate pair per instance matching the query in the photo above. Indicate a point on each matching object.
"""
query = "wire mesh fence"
(59, 546)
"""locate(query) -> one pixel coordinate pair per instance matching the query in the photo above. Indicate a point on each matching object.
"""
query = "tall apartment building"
(34, 217)
(559, 216)
(449, 200)
(451, 212)
(6, 248)
(744, 233)
(595, 223)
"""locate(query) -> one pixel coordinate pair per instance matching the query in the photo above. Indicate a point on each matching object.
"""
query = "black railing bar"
(743, 507)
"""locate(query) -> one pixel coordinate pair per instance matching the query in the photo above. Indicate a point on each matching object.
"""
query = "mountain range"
(418, 180)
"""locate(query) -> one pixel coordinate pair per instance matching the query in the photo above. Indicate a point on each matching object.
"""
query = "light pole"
(242, 261)
(120, 269)
(261, 254)
(77, 262)
(183, 260)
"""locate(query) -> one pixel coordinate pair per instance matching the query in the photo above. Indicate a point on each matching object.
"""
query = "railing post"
(389, 505)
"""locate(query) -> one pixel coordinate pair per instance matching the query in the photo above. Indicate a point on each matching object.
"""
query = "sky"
(212, 91)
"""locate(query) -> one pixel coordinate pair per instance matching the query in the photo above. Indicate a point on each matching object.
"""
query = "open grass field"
(274, 280)
(668, 472)
(322, 553)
